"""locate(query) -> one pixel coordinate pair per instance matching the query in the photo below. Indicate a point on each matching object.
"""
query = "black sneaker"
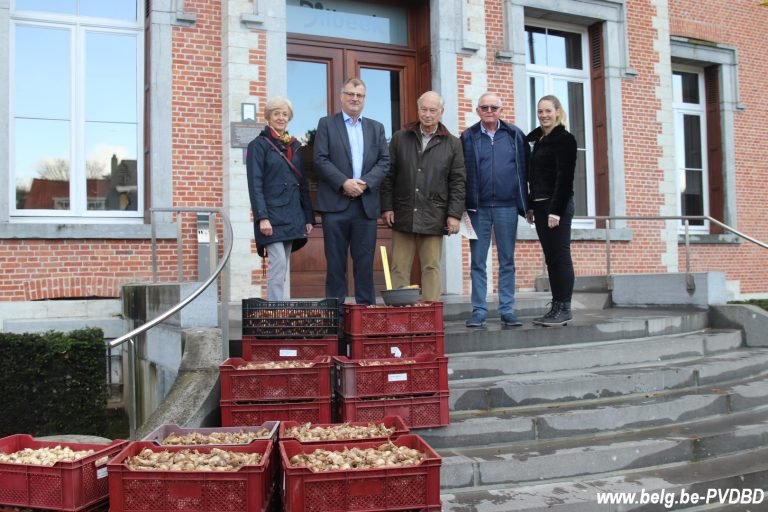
(510, 321)
(560, 315)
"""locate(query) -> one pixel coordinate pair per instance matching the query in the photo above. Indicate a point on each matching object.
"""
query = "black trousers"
(556, 244)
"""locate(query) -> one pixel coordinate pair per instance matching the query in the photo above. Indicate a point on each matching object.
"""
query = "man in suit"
(352, 160)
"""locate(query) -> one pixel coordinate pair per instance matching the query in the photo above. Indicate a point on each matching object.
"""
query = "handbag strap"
(290, 164)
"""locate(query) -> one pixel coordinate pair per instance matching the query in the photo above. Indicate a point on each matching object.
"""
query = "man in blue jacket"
(496, 158)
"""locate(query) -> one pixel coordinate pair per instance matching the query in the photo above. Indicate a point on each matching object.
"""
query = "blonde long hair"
(563, 117)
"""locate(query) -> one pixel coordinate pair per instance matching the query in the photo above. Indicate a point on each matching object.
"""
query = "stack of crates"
(395, 365)
(305, 332)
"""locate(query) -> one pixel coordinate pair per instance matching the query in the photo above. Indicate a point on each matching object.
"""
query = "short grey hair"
(485, 95)
(439, 97)
(276, 103)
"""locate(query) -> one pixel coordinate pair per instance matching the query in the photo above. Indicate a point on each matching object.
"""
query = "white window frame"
(680, 110)
(572, 75)
(78, 27)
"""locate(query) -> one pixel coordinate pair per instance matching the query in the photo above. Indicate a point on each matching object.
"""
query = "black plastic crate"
(290, 319)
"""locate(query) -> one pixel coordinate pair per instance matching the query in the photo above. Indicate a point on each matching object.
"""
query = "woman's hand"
(265, 227)
(553, 221)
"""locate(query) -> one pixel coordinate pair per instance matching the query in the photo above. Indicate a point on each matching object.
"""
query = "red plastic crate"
(66, 486)
(263, 349)
(240, 414)
(390, 421)
(248, 489)
(160, 433)
(389, 488)
(275, 384)
(423, 318)
(428, 374)
(417, 411)
(366, 347)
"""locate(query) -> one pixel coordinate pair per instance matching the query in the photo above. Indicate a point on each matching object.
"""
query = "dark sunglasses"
(489, 108)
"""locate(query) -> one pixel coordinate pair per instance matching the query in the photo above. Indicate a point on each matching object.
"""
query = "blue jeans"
(503, 223)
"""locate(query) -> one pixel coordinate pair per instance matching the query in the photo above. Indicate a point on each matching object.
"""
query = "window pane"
(377, 23)
(42, 59)
(114, 9)
(536, 91)
(536, 45)
(692, 196)
(308, 91)
(692, 133)
(382, 97)
(564, 49)
(690, 87)
(110, 162)
(41, 170)
(56, 6)
(110, 77)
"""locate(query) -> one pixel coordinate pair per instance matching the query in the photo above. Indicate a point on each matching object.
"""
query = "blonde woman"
(282, 211)
(550, 180)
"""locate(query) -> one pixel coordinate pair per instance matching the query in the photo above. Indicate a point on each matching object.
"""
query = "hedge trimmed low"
(53, 383)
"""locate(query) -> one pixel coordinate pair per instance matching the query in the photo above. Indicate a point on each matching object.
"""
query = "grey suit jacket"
(333, 162)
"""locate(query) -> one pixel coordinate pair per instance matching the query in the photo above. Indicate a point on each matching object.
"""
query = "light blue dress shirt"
(355, 133)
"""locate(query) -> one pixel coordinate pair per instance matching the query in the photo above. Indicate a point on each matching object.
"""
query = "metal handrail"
(686, 224)
(224, 307)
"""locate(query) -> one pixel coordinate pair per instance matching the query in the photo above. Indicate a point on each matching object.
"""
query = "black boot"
(546, 315)
(561, 314)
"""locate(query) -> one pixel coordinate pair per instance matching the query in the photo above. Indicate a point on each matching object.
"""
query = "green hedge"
(53, 383)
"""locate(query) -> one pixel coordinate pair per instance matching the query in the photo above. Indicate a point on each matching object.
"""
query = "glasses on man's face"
(358, 95)
(489, 108)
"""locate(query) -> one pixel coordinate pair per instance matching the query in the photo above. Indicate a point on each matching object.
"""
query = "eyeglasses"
(489, 108)
(359, 95)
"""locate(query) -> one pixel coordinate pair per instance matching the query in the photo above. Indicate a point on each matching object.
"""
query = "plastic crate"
(417, 411)
(68, 486)
(275, 384)
(248, 489)
(262, 349)
(290, 319)
(389, 422)
(423, 318)
(365, 347)
(160, 433)
(241, 414)
(427, 374)
(389, 488)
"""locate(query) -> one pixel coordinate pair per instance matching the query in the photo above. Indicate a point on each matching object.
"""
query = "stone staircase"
(621, 400)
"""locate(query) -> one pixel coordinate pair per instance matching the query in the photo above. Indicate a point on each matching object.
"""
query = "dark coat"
(424, 188)
(551, 167)
(277, 194)
(515, 161)
(333, 163)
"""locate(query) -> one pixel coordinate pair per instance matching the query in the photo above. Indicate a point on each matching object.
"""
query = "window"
(690, 142)
(556, 64)
(76, 109)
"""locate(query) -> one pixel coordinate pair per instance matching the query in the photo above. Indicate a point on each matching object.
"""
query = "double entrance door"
(316, 71)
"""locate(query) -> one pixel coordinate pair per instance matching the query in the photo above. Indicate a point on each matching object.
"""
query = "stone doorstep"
(588, 327)
(742, 470)
(568, 385)
(590, 356)
(578, 456)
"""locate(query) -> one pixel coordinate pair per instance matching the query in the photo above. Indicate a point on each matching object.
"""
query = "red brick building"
(661, 95)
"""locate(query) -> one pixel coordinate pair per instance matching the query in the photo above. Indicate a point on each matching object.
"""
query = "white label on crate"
(396, 352)
(101, 473)
(397, 377)
(287, 352)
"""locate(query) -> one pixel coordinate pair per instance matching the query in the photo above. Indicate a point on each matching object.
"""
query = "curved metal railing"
(687, 219)
(131, 336)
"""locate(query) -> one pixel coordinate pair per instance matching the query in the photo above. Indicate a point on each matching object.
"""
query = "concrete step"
(579, 456)
(663, 484)
(498, 363)
(569, 385)
(591, 417)
(588, 326)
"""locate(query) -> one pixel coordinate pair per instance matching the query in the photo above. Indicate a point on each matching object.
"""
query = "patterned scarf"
(283, 142)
